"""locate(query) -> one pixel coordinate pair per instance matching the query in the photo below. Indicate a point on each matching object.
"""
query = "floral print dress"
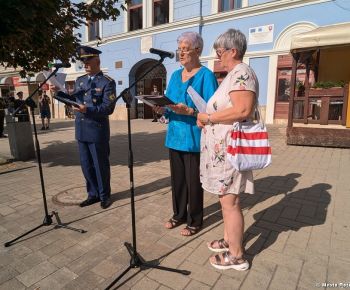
(217, 174)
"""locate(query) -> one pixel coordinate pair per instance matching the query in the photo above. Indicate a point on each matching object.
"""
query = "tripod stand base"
(46, 222)
(137, 261)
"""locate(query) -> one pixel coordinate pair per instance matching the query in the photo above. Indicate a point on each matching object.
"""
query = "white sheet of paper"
(57, 80)
(197, 100)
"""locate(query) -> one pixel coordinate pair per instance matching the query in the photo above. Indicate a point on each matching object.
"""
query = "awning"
(6, 81)
(332, 35)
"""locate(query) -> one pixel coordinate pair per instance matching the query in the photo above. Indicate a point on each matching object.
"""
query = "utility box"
(20, 139)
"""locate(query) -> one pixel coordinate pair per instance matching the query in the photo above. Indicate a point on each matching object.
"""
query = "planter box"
(331, 92)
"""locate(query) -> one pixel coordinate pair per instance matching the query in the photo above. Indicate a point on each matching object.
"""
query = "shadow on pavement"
(302, 208)
(265, 188)
(146, 148)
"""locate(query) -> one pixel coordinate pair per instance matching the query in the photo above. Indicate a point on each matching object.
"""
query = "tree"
(36, 32)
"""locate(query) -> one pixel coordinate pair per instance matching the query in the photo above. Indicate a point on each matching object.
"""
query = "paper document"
(57, 80)
(197, 100)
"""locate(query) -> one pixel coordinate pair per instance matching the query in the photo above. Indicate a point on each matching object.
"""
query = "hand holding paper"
(57, 80)
(197, 100)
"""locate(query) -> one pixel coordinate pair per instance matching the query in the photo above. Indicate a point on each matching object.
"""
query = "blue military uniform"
(98, 94)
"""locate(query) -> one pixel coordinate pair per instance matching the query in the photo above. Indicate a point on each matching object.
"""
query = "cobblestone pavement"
(296, 225)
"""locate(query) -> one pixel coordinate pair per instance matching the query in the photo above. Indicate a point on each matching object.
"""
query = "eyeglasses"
(220, 52)
(185, 51)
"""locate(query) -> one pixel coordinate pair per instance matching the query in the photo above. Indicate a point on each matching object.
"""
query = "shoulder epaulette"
(108, 77)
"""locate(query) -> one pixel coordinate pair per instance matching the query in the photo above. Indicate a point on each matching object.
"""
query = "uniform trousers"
(187, 191)
(2, 119)
(94, 160)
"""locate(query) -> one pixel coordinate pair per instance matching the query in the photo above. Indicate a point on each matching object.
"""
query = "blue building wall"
(128, 50)
(184, 9)
(256, 2)
(110, 27)
(280, 19)
(261, 67)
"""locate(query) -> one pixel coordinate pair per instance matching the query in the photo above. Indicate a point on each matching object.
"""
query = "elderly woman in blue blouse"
(183, 135)
(234, 101)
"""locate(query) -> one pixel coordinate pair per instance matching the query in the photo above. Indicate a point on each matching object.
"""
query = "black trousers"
(2, 119)
(187, 191)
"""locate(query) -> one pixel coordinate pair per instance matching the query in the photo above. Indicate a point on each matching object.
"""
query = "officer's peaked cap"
(86, 52)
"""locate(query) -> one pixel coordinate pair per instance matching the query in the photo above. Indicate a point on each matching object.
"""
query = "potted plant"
(299, 89)
(327, 88)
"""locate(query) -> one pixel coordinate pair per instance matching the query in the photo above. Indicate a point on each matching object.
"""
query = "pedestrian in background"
(22, 114)
(45, 111)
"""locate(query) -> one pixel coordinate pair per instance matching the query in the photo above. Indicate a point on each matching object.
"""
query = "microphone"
(161, 53)
(59, 65)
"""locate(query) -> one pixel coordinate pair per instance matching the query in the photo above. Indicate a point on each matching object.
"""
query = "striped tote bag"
(248, 146)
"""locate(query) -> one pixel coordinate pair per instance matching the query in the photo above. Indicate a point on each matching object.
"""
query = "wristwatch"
(194, 113)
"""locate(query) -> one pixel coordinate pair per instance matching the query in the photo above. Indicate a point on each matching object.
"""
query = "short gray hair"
(193, 38)
(232, 38)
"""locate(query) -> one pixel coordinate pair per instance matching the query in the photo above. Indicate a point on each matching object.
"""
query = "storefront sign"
(16, 81)
(261, 34)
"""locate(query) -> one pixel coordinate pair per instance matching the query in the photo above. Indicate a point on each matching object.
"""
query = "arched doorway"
(156, 77)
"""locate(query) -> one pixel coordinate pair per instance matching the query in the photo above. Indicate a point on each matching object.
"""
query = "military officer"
(96, 94)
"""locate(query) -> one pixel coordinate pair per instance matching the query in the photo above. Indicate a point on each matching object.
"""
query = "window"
(227, 5)
(160, 12)
(93, 30)
(135, 15)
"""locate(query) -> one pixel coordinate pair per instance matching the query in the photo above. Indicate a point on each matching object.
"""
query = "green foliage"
(36, 32)
(300, 85)
(329, 84)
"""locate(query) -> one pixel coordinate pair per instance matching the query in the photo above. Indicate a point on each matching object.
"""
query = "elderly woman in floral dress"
(234, 100)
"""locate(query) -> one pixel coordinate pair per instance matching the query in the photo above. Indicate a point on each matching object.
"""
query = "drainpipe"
(200, 17)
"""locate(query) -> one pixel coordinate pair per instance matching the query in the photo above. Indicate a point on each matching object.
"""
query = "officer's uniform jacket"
(99, 95)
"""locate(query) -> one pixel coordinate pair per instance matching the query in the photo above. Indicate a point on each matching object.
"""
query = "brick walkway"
(297, 234)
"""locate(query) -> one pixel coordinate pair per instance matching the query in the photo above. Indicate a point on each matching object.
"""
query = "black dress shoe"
(106, 203)
(89, 201)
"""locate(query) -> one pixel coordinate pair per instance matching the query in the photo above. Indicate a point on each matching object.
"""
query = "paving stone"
(7, 273)
(12, 284)
(284, 279)
(106, 269)
(37, 273)
(28, 262)
(227, 283)
(311, 274)
(256, 280)
(86, 262)
(338, 271)
(296, 223)
(6, 210)
(57, 280)
(204, 274)
(173, 280)
(195, 285)
(86, 280)
(146, 283)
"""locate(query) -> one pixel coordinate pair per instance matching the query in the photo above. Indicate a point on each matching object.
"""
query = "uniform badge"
(81, 84)
(94, 100)
(98, 90)
(112, 97)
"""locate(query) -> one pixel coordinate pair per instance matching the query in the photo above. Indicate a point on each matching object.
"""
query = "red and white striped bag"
(248, 147)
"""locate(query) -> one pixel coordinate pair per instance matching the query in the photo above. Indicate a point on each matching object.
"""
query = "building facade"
(268, 25)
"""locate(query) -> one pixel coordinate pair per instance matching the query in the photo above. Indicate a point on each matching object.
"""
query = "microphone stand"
(136, 260)
(48, 217)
